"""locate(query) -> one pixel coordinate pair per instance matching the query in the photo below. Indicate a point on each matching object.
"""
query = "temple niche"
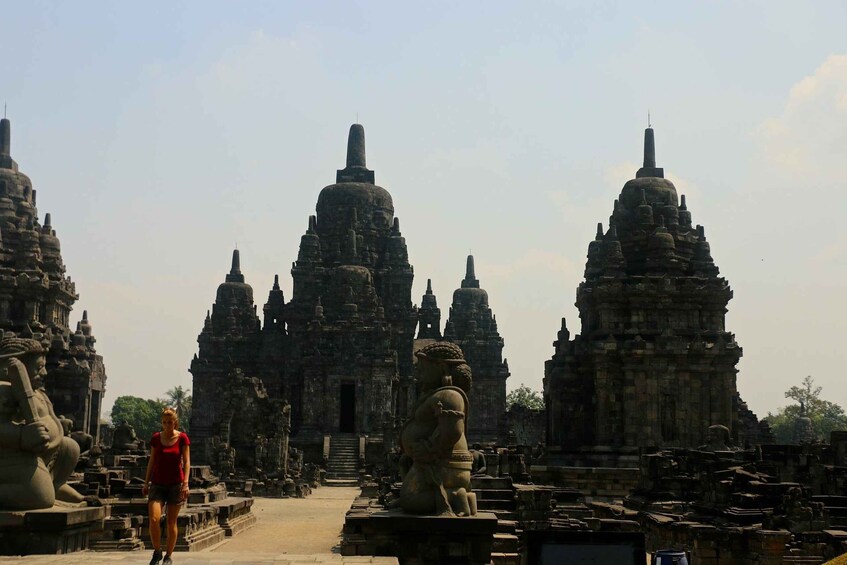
(340, 350)
(653, 364)
(36, 299)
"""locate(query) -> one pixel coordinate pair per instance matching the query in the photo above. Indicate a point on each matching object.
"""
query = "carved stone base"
(235, 514)
(419, 539)
(49, 531)
(197, 529)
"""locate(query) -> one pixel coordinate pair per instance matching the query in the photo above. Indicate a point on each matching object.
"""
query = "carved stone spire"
(355, 171)
(356, 146)
(235, 272)
(429, 315)
(6, 161)
(649, 169)
(5, 137)
(470, 280)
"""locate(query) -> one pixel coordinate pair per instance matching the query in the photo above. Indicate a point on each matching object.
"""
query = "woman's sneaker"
(157, 556)
(167, 560)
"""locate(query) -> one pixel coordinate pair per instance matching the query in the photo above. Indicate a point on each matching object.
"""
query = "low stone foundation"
(419, 539)
(596, 483)
(50, 531)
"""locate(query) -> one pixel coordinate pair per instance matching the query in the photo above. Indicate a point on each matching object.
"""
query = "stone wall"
(526, 426)
(597, 483)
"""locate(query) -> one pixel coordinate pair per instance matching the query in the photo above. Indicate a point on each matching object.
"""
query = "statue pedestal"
(419, 539)
(50, 531)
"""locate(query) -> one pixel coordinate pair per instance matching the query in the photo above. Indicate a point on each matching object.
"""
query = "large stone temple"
(341, 350)
(653, 364)
(36, 298)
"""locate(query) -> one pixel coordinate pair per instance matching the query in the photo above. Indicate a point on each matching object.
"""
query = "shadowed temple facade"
(341, 349)
(36, 298)
(654, 364)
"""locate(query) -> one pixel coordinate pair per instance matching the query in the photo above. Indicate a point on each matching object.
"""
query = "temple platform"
(54, 530)
(419, 539)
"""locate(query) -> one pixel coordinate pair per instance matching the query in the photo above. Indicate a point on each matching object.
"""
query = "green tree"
(179, 399)
(144, 414)
(826, 416)
(525, 397)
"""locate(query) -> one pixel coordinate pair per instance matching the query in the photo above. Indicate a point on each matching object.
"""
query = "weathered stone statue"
(125, 438)
(36, 458)
(479, 467)
(439, 480)
(718, 439)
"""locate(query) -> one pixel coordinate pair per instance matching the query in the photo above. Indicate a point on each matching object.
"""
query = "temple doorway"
(347, 419)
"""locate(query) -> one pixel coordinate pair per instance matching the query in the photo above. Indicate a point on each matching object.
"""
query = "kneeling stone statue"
(439, 479)
(36, 458)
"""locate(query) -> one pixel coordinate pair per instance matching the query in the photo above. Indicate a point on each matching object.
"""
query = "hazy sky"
(160, 134)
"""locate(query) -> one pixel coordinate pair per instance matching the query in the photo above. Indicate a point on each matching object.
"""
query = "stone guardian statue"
(36, 458)
(439, 479)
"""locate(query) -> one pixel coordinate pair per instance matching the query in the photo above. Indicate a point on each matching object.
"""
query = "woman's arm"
(150, 463)
(186, 467)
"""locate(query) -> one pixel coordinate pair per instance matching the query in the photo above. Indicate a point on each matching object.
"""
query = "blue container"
(670, 557)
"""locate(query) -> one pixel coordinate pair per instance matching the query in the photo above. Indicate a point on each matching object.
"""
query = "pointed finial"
(5, 137)
(649, 149)
(276, 282)
(396, 226)
(469, 271)
(236, 262)
(429, 286)
(85, 316)
(356, 146)
(47, 220)
(313, 225)
(599, 230)
(682, 205)
(235, 272)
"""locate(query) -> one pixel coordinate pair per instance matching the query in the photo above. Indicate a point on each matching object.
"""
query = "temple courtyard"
(289, 531)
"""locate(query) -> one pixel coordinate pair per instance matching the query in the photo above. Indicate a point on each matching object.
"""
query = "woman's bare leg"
(154, 508)
(173, 512)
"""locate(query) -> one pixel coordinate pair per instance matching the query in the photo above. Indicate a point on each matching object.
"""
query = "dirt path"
(295, 525)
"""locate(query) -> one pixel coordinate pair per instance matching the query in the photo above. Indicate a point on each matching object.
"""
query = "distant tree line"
(824, 415)
(145, 414)
(525, 397)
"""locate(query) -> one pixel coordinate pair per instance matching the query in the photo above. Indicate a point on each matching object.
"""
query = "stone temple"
(473, 327)
(654, 364)
(36, 298)
(341, 349)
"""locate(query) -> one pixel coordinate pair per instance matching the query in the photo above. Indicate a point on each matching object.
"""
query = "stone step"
(496, 504)
(341, 483)
(505, 543)
(507, 526)
(505, 559)
(501, 494)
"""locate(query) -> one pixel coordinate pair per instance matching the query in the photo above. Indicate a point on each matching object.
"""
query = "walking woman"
(167, 481)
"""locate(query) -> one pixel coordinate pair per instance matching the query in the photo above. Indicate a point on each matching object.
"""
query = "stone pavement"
(291, 531)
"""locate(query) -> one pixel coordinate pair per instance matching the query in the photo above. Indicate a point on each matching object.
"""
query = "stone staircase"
(497, 495)
(343, 464)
